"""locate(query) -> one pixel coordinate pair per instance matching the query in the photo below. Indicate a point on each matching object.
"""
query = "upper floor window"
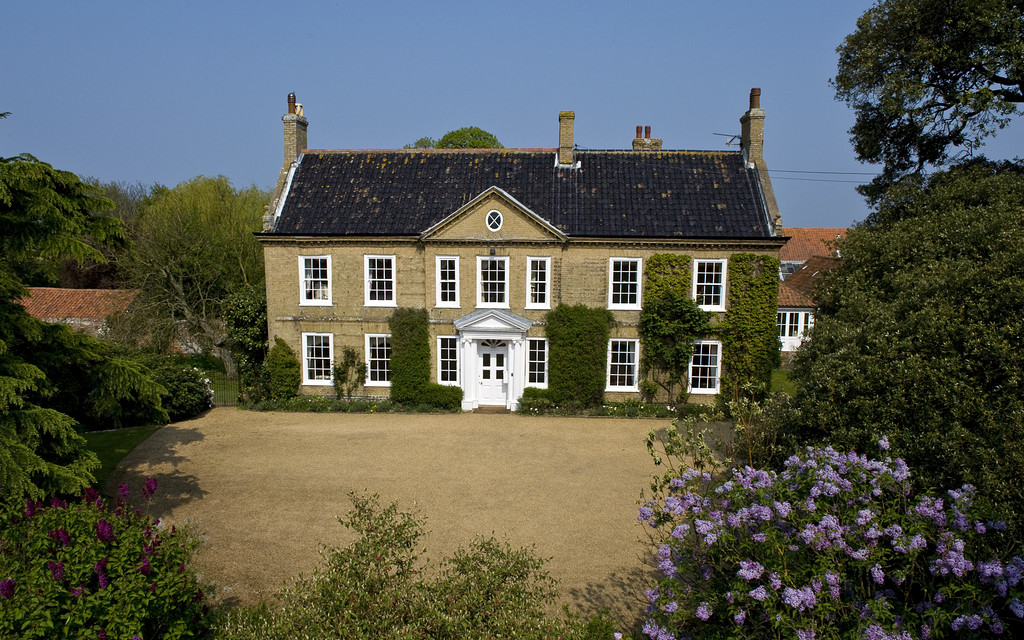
(709, 284)
(622, 364)
(538, 279)
(317, 358)
(380, 281)
(705, 366)
(447, 281)
(624, 283)
(315, 280)
(378, 360)
(492, 282)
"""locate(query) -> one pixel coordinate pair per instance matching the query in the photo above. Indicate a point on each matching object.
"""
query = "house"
(489, 240)
(807, 254)
(85, 310)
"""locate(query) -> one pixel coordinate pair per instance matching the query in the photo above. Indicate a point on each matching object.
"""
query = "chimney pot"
(291, 103)
(647, 131)
(639, 129)
(755, 98)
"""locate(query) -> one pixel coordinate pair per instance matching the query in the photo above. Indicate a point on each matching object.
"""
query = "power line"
(818, 180)
(835, 173)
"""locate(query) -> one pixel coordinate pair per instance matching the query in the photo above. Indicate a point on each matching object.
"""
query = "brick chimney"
(646, 143)
(752, 145)
(752, 132)
(565, 142)
(295, 125)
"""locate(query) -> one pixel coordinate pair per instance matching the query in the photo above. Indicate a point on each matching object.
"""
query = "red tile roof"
(805, 242)
(790, 297)
(59, 305)
(805, 278)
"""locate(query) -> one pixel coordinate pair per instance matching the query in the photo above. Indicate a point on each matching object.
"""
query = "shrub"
(188, 391)
(578, 344)
(410, 354)
(834, 546)
(284, 372)
(441, 396)
(535, 401)
(349, 373)
(374, 588)
(86, 570)
(245, 316)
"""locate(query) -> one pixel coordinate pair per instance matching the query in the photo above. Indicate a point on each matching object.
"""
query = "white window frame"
(479, 283)
(530, 361)
(545, 283)
(305, 283)
(307, 338)
(440, 361)
(450, 304)
(634, 364)
(612, 282)
(721, 286)
(373, 337)
(698, 346)
(367, 283)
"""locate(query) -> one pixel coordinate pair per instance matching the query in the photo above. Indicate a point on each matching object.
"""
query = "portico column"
(467, 353)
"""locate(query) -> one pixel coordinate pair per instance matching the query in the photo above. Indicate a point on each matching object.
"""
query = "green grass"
(781, 382)
(111, 446)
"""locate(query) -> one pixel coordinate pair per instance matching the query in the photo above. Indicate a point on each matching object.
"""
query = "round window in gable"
(494, 220)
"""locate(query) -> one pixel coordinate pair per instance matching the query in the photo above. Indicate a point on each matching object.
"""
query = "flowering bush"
(834, 546)
(86, 570)
(188, 391)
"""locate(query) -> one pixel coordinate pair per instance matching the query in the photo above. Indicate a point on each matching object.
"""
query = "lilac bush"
(833, 546)
(90, 569)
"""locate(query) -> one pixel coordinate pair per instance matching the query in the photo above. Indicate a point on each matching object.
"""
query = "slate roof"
(621, 194)
(51, 304)
(805, 242)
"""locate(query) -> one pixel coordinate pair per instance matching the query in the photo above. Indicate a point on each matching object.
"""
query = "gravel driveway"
(265, 489)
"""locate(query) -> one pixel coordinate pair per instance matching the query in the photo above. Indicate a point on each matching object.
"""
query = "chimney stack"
(565, 141)
(295, 125)
(752, 131)
(645, 143)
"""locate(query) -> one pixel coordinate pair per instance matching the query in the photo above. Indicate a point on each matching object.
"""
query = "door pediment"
(492, 321)
(475, 221)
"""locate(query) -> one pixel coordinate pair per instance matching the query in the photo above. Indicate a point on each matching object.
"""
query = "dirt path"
(265, 490)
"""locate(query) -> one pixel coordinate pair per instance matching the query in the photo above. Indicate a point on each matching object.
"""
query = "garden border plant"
(578, 347)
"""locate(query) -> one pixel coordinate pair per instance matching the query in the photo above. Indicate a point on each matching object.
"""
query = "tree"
(192, 248)
(49, 376)
(464, 138)
(930, 77)
(919, 334)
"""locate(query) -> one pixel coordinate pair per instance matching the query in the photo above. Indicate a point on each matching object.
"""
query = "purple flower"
(61, 536)
(103, 634)
(761, 594)
(783, 509)
(57, 503)
(877, 574)
(124, 490)
(799, 599)
(150, 487)
(103, 580)
(56, 570)
(672, 606)
(704, 611)
(805, 634)
(145, 568)
(7, 589)
(1016, 607)
(883, 443)
(759, 537)
(775, 581)
(645, 514)
(31, 507)
(750, 570)
(740, 617)
(104, 531)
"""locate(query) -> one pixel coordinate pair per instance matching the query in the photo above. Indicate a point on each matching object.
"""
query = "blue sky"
(163, 92)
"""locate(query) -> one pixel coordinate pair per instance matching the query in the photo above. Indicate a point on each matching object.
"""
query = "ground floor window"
(537, 362)
(705, 366)
(317, 358)
(378, 360)
(448, 360)
(793, 324)
(622, 365)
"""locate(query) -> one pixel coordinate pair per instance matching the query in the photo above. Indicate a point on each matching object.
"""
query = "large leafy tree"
(50, 377)
(919, 334)
(192, 248)
(930, 79)
(464, 138)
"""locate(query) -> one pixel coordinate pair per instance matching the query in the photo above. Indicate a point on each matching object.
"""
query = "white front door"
(492, 367)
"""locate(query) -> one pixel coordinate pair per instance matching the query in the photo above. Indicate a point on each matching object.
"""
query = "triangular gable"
(493, 320)
(469, 222)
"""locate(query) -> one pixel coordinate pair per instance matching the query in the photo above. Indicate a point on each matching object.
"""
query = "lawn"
(111, 446)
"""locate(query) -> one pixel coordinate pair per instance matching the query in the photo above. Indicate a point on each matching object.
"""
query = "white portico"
(492, 358)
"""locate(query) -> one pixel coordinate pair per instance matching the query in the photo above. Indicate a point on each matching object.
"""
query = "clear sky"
(160, 92)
